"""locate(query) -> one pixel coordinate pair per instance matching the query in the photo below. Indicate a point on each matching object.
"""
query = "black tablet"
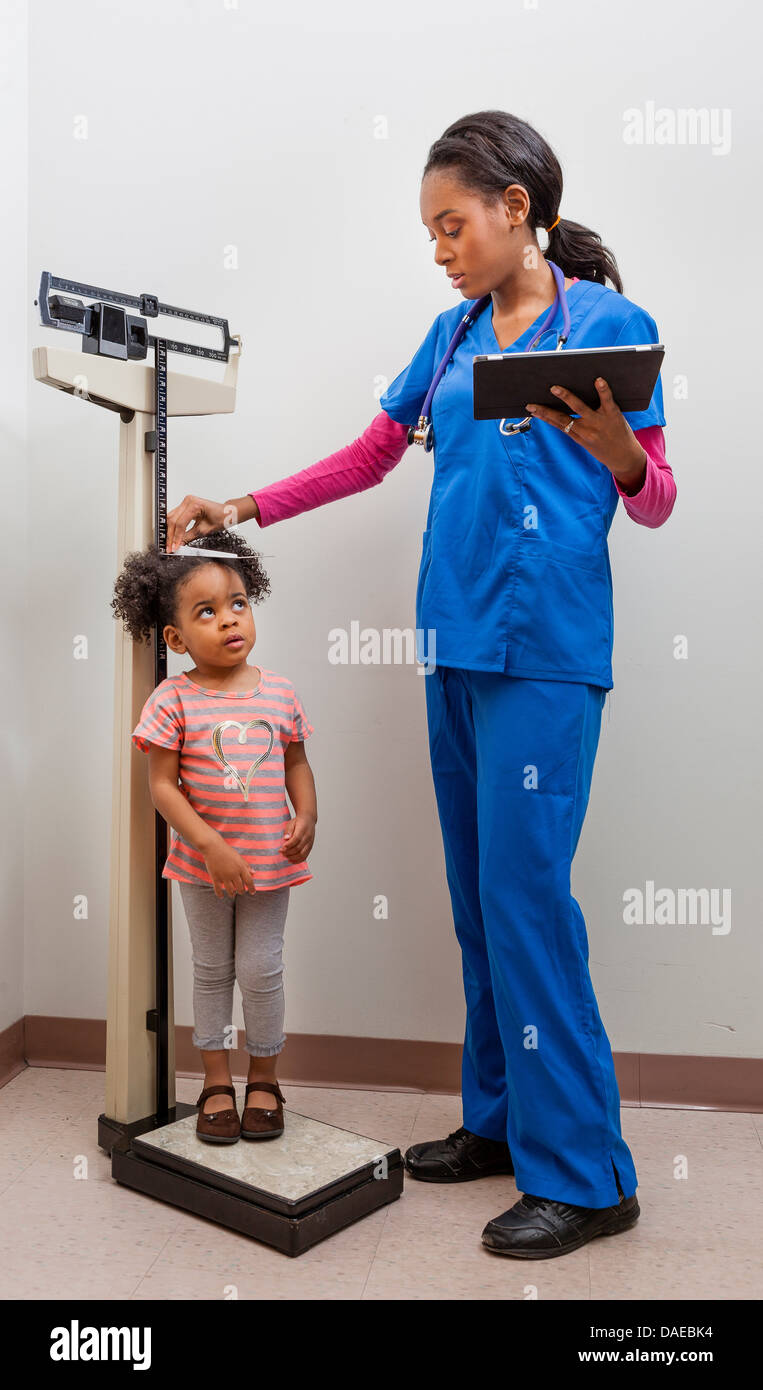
(504, 383)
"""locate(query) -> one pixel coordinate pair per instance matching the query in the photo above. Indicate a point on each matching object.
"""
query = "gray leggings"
(252, 925)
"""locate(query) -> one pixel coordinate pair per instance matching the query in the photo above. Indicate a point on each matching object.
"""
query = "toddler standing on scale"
(225, 742)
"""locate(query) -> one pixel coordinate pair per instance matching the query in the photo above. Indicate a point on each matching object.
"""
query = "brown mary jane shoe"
(262, 1124)
(221, 1126)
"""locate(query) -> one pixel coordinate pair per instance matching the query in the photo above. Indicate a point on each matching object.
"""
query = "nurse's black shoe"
(461, 1157)
(536, 1228)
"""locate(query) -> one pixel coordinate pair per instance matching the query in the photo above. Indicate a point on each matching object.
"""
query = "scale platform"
(290, 1192)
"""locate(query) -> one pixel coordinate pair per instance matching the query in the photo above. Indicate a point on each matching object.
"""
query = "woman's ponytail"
(579, 251)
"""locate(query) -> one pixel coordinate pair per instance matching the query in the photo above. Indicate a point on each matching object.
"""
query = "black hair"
(491, 149)
(146, 592)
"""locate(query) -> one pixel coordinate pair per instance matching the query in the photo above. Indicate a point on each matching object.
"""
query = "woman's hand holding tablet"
(604, 432)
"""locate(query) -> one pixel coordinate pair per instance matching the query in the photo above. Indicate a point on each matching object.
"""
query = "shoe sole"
(269, 1134)
(613, 1229)
(215, 1139)
(462, 1177)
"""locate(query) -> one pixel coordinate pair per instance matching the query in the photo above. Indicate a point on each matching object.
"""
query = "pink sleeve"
(653, 503)
(357, 466)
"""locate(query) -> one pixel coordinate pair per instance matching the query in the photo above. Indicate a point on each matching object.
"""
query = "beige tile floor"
(88, 1237)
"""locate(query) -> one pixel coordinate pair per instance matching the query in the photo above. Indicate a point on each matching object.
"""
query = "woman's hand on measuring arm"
(604, 432)
(207, 516)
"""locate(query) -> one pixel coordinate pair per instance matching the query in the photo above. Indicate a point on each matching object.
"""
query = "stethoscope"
(423, 432)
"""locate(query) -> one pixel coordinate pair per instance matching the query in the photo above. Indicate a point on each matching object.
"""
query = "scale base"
(289, 1193)
(109, 1131)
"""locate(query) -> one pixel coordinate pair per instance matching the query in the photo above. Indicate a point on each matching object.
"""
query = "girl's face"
(475, 241)
(214, 620)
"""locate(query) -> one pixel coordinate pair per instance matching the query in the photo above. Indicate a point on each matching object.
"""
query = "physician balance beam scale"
(317, 1178)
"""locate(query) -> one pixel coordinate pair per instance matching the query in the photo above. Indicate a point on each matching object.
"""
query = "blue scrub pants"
(512, 760)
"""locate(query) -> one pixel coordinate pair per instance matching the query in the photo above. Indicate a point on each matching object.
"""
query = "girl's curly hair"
(146, 591)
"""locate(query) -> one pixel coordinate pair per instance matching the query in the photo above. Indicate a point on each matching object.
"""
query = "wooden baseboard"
(12, 1053)
(391, 1064)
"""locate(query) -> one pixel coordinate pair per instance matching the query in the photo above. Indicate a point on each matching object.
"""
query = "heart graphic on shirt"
(217, 744)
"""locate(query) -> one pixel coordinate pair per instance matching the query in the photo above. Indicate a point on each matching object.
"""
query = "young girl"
(225, 741)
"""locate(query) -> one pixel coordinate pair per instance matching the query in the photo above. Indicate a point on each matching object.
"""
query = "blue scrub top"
(515, 573)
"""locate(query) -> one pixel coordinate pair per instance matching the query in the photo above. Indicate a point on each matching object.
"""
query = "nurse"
(515, 582)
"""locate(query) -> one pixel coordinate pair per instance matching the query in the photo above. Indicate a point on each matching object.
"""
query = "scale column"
(131, 1046)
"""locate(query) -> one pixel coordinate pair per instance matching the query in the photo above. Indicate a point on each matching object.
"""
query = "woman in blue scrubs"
(514, 611)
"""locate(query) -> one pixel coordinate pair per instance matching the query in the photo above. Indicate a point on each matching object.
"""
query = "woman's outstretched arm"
(362, 464)
(359, 465)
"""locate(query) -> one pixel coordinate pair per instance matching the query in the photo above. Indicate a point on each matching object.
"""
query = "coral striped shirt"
(231, 769)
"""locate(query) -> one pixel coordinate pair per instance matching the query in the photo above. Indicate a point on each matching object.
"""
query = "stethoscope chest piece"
(511, 428)
(422, 433)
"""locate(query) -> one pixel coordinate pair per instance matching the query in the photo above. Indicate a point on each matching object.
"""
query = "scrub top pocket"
(562, 618)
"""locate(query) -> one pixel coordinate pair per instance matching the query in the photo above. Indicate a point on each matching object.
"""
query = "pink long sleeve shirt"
(369, 458)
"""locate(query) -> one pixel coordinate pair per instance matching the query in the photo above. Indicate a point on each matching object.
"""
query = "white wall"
(211, 125)
(14, 358)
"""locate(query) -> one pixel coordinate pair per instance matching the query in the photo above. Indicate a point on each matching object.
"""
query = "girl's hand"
(207, 516)
(299, 836)
(228, 870)
(604, 432)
